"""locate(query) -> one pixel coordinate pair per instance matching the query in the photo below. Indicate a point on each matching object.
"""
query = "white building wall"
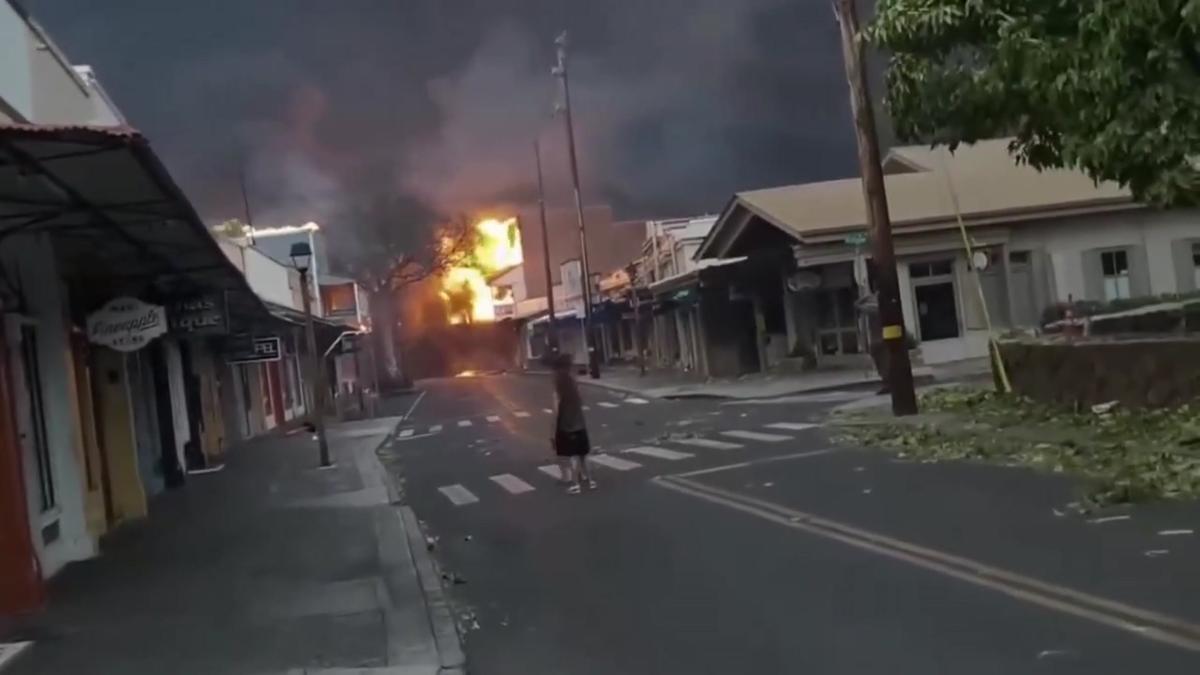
(16, 68)
(1065, 240)
(30, 262)
(269, 279)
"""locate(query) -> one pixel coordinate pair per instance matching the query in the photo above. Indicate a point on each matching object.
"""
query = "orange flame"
(465, 288)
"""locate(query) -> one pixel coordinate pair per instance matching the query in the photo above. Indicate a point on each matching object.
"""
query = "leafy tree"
(388, 241)
(1108, 87)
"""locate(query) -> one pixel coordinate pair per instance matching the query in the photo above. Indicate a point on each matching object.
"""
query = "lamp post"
(301, 255)
(560, 71)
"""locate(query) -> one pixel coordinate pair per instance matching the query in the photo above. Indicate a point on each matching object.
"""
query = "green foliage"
(1108, 87)
(1123, 455)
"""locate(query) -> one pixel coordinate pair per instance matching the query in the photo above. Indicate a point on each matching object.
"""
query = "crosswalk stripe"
(464, 423)
(493, 418)
(406, 433)
(606, 404)
(520, 413)
(792, 426)
(707, 443)
(511, 483)
(437, 428)
(756, 436)
(614, 462)
(637, 401)
(551, 470)
(458, 495)
(661, 453)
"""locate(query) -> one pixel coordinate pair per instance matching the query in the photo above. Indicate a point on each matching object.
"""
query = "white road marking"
(1174, 533)
(493, 418)
(1107, 519)
(637, 401)
(661, 453)
(406, 433)
(464, 423)
(414, 406)
(551, 470)
(707, 443)
(520, 413)
(458, 495)
(792, 426)
(756, 436)
(435, 429)
(548, 411)
(511, 483)
(614, 462)
(587, 407)
(606, 404)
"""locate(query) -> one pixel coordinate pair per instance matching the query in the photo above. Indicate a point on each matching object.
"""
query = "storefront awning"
(120, 224)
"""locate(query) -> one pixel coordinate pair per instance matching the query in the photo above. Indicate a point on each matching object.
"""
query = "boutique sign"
(126, 324)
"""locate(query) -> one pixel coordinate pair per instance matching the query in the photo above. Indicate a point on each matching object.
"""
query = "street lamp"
(301, 255)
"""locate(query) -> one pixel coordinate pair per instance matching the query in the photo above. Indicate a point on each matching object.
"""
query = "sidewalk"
(675, 384)
(268, 567)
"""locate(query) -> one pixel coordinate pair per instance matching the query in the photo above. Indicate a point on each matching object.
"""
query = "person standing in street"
(570, 430)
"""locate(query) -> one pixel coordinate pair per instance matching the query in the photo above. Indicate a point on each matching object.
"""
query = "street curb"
(445, 630)
(600, 384)
(448, 642)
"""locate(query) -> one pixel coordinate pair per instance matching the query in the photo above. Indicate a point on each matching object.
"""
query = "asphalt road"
(725, 539)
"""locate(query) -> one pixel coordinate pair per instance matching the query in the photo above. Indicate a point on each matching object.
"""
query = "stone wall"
(1138, 373)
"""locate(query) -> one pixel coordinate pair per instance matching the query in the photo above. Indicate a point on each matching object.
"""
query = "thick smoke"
(671, 104)
(678, 103)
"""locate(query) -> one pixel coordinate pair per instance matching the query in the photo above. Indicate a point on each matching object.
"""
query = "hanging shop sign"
(254, 350)
(199, 315)
(126, 324)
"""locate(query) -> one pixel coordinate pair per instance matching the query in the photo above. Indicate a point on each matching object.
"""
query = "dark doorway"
(193, 454)
(168, 459)
(937, 311)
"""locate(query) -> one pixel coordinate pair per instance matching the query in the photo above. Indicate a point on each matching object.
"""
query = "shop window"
(936, 268)
(47, 497)
(1196, 263)
(1115, 267)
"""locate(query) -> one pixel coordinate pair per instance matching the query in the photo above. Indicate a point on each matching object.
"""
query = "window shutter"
(1093, 276)
(1139, 273)
(1185, 267)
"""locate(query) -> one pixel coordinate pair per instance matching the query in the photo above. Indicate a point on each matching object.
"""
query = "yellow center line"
(1137, 621)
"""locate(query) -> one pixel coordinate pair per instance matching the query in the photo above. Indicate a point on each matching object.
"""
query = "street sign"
(126, 324)
(856, 239)
(258, 350)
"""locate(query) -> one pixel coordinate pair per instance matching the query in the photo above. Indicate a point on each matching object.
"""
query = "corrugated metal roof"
(986, 177)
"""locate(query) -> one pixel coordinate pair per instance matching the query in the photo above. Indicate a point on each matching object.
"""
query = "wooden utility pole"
(589, 335)
(879, 223)
(551, 324)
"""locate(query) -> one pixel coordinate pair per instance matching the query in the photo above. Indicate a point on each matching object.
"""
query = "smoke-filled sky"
(678, 103)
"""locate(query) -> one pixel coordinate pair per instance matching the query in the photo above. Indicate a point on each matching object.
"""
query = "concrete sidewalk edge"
(447, 641)
(441, 618)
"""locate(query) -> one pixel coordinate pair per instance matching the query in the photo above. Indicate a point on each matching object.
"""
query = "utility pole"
(551, 326)
(891, 315)
(560, 71)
